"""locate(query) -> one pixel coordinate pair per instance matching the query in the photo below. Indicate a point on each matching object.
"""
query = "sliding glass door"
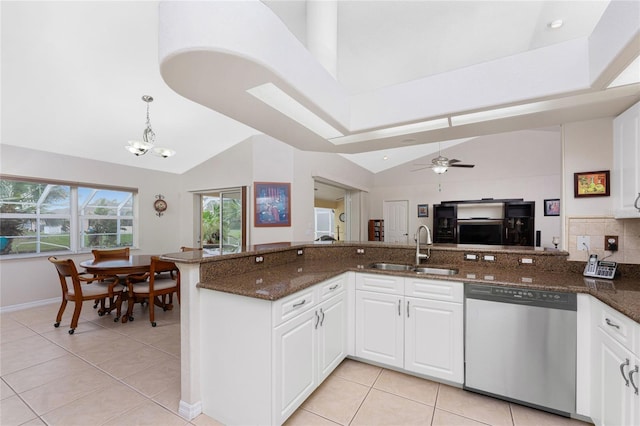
(223, 224)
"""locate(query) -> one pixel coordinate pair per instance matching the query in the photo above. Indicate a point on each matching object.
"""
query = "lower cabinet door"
(332, 335)
(434, 339)
(295, 355)
(380, 328)
(614, 403)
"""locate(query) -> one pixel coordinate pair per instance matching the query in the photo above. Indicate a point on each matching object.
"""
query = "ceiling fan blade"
(462, 165)
(453, 160)
(422, 168)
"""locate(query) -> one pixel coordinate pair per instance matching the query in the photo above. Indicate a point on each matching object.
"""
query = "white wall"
(524, 164)
(32, 279)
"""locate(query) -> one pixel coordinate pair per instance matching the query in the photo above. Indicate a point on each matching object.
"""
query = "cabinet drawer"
(332, 287)
(448, 291)
(380, 283)
(621, 328)
(293, 305)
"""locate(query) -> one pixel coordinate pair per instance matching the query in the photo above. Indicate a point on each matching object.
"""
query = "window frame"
(76, 234)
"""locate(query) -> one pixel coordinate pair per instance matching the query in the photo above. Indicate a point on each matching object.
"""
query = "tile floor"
(51, 377)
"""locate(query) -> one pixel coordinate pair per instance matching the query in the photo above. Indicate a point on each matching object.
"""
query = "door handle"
(631, 373)
(624, 364)
(317, 319)
(399, 301)
(611, 324)
(407, 309)
(297, 305)
(635, 203)
(322, 319)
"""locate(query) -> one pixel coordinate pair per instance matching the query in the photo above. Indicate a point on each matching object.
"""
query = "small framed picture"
(423, 210)
(272, 204)
(552, 207)
(591, 184)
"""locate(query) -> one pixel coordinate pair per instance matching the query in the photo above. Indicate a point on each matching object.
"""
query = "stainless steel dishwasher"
(520, 345)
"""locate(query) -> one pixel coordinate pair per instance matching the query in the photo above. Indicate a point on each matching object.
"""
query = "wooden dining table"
(135, 264)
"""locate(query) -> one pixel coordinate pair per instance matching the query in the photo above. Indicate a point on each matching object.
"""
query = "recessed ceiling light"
(385, 158)
(556, 24)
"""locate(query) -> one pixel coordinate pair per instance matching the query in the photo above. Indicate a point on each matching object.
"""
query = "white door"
(434, 339)
(396, 217)
(380, 328)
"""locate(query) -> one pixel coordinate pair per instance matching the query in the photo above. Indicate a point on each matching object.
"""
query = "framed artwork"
(423, 210)
(272, 204)
(591, 184)
(552, 207)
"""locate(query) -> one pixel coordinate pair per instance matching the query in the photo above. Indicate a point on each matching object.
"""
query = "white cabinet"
(269, 356)
(414, 324)
(625, 179)
(434, 339)
(307, 348)
(615, 375)
(380, 328)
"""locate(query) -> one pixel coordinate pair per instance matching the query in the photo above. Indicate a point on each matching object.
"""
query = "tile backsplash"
(595, 228)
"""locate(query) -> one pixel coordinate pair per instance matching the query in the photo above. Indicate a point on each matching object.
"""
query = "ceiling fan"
(441, 164)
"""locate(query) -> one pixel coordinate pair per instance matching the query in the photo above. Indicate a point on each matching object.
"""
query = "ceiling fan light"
(439, 169)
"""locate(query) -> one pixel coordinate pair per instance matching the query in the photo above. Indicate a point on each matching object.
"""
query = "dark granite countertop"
(623, 293)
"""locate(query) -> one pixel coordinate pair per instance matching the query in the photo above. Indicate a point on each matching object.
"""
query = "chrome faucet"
(429, 242)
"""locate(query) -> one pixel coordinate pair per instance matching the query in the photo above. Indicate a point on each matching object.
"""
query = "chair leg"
(63, 305)
(152, 309)
(76, 316)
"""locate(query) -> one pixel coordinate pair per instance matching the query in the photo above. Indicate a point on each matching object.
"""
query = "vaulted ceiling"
(73, 73)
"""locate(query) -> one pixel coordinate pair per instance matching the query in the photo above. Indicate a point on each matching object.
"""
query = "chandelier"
(147, 144)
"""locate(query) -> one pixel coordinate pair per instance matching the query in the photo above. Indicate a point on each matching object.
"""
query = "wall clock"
(160, 205)
(341, 217)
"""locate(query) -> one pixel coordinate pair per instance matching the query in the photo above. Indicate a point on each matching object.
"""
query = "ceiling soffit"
(210, 63)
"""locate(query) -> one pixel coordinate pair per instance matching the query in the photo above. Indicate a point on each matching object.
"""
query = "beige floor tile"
(169, 344)
(148, 413)
(411, 387)
(169, 398)
(525, 416)
(46, 372)
(109, 349)
(27, 352)
(382, 408)
(444, 418)
(97, 407)
(474, 406)
(66, 390)
(34, 422)
(5, 390)
(15, 412)
(17, 332)
(358, 372)
(307, 418)
(156, 378)
(87, 336)
(133, 361)
(204, 420)
(336, 399)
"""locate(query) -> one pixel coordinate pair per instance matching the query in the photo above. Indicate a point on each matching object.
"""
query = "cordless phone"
(600, 269)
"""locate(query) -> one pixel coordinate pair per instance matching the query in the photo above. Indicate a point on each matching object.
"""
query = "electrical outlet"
(611, 242)
(259, 259)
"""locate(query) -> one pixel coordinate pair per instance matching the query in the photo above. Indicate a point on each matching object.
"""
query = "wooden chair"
(85, 287)
(159, 281)
(100, 255)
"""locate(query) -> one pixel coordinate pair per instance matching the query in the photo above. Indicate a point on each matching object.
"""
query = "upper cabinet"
(626, 164)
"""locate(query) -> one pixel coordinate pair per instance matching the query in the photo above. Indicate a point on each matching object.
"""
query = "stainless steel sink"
(392, 267)
(435, 271)
(418, 269)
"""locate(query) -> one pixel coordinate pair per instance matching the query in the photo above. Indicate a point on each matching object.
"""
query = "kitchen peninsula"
(236, 306)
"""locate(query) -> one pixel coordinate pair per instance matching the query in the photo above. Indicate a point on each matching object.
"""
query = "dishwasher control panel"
(552, 299)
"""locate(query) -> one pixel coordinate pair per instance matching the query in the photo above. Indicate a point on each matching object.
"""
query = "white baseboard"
(190, 411)
(21, 306)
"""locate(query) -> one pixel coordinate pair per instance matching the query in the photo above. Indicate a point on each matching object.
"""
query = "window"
(324, 223)
(41, 217)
